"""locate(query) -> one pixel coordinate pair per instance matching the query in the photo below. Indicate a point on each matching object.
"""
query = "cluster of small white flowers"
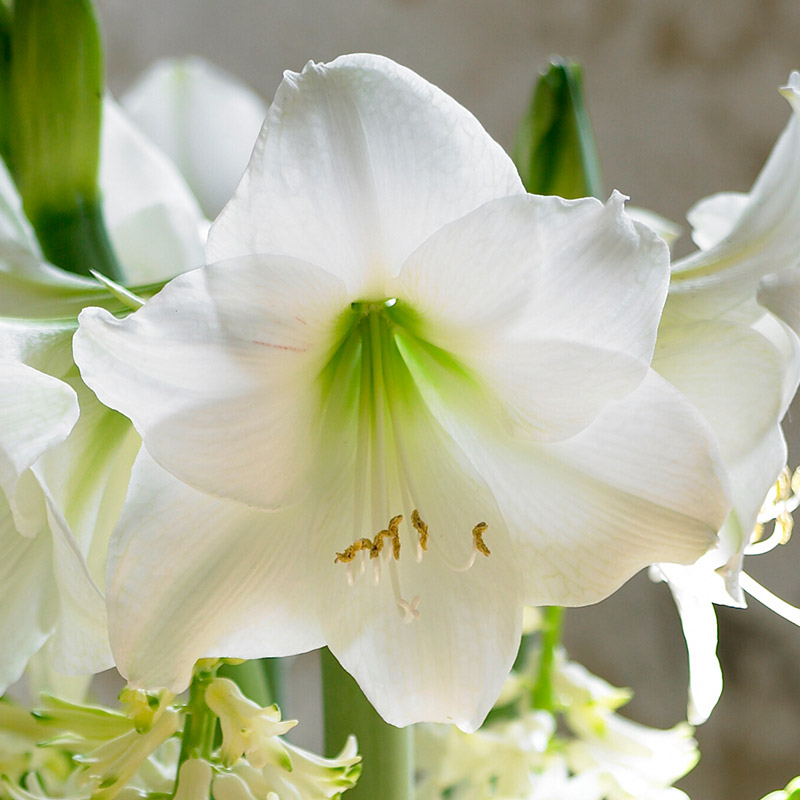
(582, 750)
(138, 755)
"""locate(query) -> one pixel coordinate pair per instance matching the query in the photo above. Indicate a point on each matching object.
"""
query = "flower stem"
(76, 239)
(387, 752)
(201, 721)
(553, 617)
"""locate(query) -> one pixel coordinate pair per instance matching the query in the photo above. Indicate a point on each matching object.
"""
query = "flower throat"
(371, 385)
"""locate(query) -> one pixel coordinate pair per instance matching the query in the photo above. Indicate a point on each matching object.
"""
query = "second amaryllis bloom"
(406, 399)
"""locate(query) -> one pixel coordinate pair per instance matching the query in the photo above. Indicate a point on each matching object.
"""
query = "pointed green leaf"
(554, 150)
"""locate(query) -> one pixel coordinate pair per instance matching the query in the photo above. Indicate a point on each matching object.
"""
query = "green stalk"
(551, 638)
(56, 85)
(201, 721)
(76, 239)
(275, 676)
(5, 78)
(387, 752)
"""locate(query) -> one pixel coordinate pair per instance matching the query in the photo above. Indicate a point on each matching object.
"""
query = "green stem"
(551, 638)
(201, 721)
(252, 678)
(275, 676)
(54, 87)
(387, 752)
(76, 239)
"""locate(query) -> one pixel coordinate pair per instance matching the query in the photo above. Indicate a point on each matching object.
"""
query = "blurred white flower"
(203, 119)
(630, 761)
(410, 399)
(582, 750)
(58, 511)
(740, 367)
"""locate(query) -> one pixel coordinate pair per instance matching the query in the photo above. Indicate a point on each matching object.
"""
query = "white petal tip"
(617, 199)
(792, 87)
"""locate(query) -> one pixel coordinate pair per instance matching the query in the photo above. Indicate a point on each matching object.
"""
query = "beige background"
(682, 96)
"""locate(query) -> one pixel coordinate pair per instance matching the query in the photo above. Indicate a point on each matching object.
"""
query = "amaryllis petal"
(730, 372)
(265, 363)
(80, 639)
(714, 217)
(781, 336)
(153, 219)
(15, 230)
(37, 412)
(254, 600)
(780, 294)
(359, 161)
(500, 288)
(203, 119)
(699, 623)
(540, 268)
(437, 667)
(606, 501)
(27, 608)
(764, 235)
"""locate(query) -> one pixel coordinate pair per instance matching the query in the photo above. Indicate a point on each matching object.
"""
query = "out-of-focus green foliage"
(554, 149)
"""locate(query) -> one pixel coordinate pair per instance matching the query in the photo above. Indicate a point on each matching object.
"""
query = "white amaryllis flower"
(406, 400)
(740, 366)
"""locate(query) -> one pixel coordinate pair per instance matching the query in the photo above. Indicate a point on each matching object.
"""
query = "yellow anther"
(350, 553)
(421, 528)
(783, 486)
(394, 529)
(758, 533)
(477, 535)
(785, 523)
(795, 482)
(374, 546)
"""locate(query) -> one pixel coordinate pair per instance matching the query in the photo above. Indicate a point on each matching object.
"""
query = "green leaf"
(56, 102)
(554, 149)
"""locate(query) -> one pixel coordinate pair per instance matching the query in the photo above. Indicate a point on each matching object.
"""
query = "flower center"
(378, 429)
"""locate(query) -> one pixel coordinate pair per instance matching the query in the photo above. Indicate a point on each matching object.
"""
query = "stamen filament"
(757, 548)
(379, 477)
(766, 597)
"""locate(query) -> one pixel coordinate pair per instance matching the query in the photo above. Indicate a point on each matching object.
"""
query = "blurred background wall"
(683, 99)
